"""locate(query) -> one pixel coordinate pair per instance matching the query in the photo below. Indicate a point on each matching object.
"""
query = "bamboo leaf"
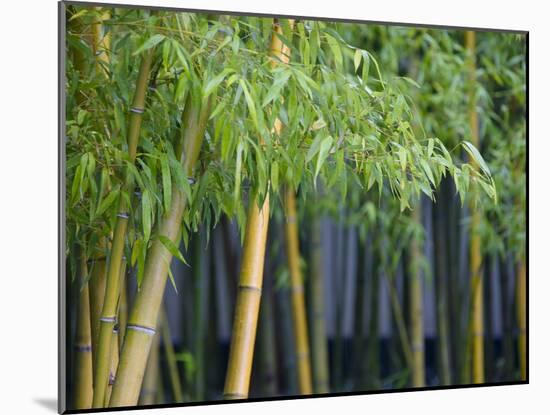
(324, 148)
(146, 209)
(149, 43)
(172, 248)
(108, 201)
(476, 156)
(166, 182)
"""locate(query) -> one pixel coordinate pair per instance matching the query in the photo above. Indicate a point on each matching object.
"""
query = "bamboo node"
(137, 110)
(83, 348)
(123, 215)
(234, 396)
(147, 330)
(250, 288)
(108, 319)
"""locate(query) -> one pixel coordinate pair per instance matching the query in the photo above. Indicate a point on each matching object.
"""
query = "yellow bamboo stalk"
(478, 375)
(151, 377)
(247, 306)
(122, 311)
(83, 389)
(297, 295)
(113, 280)
(521, 293)
(417, 312)
(142, 321)
(114, 365)
(101, 41)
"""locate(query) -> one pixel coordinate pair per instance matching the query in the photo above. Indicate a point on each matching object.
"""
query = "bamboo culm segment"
(143, 317)
(96, 285)
(114, 365)
(248, 302)
(83, 389)
(112, 289)
(151, 377)
(478, 375)
(417, 312)
(522, 319)
(297, 296)
(247, 306)
(318, 328)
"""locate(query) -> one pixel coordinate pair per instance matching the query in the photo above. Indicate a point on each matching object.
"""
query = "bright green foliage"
(345, 122)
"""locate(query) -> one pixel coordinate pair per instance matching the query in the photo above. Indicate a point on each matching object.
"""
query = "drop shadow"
(48, 403)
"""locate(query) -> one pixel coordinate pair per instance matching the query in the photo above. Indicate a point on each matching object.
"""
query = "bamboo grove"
(261, 207)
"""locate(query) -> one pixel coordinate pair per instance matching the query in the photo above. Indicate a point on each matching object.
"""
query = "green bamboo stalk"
(113, 282)
(297, 291)
(142, 321)
(97, 293)
(441, 300)
(83, 376)
(319, 345)
(478, 375)
(397, 311)
(521, 300)
(200, 298)
(247, 306)
(173, 372)
(416, 311)
(267, 343)
(373, 341)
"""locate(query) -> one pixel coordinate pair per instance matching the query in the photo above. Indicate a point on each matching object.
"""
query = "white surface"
(28, 204)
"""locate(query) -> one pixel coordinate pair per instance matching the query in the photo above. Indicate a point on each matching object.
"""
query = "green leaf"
(336, 51)
(146, 214)
(214, 82)
(476, 156)
(357, 59)
(166, 182)
(403, 158)
(275, 175)
(108, 201)
(172, 248)
(250, 103)
(149, 43)
(324, 149)
(280, 80)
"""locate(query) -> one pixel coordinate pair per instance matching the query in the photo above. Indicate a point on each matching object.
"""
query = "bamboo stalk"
(114, 365)
(441, 300)
(113, 282)
(478, 375)
(267, 343)
(200, 298)
(173, 371)
(248, 302)
(416, 312)
(297, 295)
(319, 345)
(397, 311)
(101, 42)
(122, 310)
(521, 293)
(373, 342)
(152, 373)
(97, 293)
(241, 351)
(143, 317)
(83, 390)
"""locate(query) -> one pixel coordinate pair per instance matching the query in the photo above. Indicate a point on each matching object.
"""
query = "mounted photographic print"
(271, 207)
